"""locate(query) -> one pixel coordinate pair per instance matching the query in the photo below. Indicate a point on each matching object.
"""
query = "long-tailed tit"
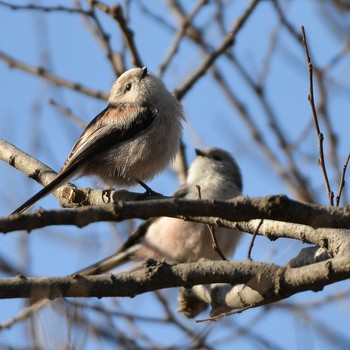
(215, 175)
(130, 141)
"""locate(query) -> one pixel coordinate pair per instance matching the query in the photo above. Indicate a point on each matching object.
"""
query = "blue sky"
(62, 44)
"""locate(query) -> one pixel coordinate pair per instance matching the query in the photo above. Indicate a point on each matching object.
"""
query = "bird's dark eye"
(216, 157)
(128, 87)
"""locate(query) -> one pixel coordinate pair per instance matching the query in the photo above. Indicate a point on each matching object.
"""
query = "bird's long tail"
(125, 254)
(61, 178)
(109, 263)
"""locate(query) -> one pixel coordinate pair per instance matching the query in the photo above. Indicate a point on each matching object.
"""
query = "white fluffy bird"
(215, 175)
(130, 141)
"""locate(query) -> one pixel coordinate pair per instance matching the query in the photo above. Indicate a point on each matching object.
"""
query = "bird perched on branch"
(213, 174)
(130, 141)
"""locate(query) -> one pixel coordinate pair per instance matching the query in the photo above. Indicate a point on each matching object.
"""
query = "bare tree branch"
(245, 83)
(179, 35)
(278, 282)
(42, 72)
(116, 12)
(342, 181)
(321, 159)
(279, 208)
(43, 8)
(226, 43)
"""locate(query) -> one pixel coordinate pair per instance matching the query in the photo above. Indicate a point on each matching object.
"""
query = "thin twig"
(321, 160)
(342, 181)
(319, 74)
(251, 245)
(215, 242)
(323, 111)
(226, 314)
(211, 229)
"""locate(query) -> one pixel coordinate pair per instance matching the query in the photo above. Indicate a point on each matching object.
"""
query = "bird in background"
(130, 141)
(213, 174)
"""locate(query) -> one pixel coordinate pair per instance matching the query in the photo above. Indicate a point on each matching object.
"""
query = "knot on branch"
(76, 197)
(275, 203)
(155, 267)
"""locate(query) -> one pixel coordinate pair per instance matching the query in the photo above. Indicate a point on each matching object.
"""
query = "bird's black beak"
(144, 72)
(199, 152)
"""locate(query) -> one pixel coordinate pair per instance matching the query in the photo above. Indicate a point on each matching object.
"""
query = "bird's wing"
(112, 126)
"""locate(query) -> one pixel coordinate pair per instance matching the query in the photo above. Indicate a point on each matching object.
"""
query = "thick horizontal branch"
(222, 213)
(278, 207)
(153, 277)
(279, 282)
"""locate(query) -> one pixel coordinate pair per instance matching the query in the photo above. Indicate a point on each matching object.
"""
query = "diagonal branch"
(116, 12)
(226, 43)
(42, 72)
(179, 35)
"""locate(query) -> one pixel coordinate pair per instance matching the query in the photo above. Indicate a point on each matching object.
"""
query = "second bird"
(213, 174)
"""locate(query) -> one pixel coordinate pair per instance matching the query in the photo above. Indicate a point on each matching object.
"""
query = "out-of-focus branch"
(68, 113)
(179, 35)
(302, 190)
(96, 28)
(43, 8)
(180, 165)
(209, 60)
(285, 22)
(116, 12)
(42, 72)
(197, 339)
(293, 177)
